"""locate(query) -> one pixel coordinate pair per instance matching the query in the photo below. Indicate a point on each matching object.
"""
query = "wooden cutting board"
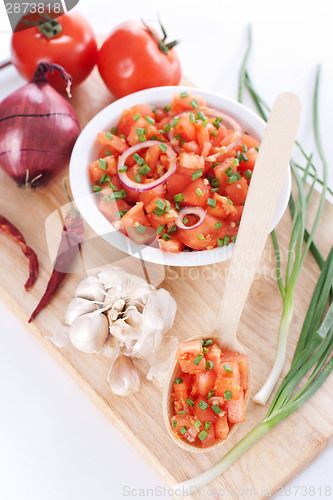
(269, 464)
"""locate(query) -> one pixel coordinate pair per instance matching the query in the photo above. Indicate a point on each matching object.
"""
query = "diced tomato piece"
(191, 147)
(174, 245)
(219, 172)
(201, 136)
(152, 155)
(236, 213)
(233, 365)
(222, 209)
(126, 120)
(224, 384)
(165, 218)
(180, 103)
(95, 171)
(237, 191)
(251, 155)
(176, 184)
(249, 141)
(210, 439)
(206, 415)
(221, 134)
(189, 163)
(205, 382)
(180, 394)
(147, 196)
(115, 144)
(159, 114)
(110, 208)
(196, 193)
(185, 128)
(188, 366)
(236, 409)
(184, 421)
(222, 427)
(243, 363)
(134, 217)
(214, 354)
(191, 347)
(141, 123)
(202, 237)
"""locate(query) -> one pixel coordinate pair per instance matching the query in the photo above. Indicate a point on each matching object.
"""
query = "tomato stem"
(50, 28)
(164, 47)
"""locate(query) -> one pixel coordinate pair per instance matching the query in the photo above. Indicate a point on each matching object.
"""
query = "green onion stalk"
(312, 362)
(298, 209)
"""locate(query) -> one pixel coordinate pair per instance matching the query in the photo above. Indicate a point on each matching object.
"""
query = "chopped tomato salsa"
(209, 392)
(160, 164)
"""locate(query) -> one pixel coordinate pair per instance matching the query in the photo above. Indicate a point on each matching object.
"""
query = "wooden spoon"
(263, 195)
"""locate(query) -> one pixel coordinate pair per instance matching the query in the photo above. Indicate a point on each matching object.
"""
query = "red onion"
(199, 211)
(38, 129)
(136, 186)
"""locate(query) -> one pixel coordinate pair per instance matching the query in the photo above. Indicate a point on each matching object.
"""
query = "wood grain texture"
(277, 457)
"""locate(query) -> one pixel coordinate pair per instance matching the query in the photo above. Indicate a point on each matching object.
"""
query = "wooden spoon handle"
(266, 184)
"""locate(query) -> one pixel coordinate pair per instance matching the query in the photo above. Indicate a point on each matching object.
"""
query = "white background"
(53, 442)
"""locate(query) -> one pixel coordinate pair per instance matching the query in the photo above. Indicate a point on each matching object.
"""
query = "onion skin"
(38, 129)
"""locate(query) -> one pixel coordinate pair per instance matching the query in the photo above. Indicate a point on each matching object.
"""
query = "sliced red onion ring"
(199, 211)
(136, 186)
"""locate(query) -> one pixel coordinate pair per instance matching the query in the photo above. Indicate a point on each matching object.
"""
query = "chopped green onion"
(230, 201)
(214, 133)
(228, 368)
(185, 221)
(107, 153)
(136, 117)
(102, 164)
(207, 425)
(123, 169)
(203, 405)
(226, 239)
(150, 120)
(138, 178)
(217, 122)
(216, 164)
(248, 174)
(142, 138)
(233, 178)
(137, 158)
(216, 409)
(203, 434)
(211, 202)
(167, 108)
(201, 236)
(140, 229)
(197, 174)
(192, 118)
(244, 147)
(122, 136)
(174, 123)
(209, 365)
(182, 412)
(153, 108)
(183, 429)
(211, 393)
(178, 381)
(256, 148)
(197, 425)
(190, 402)
(182, 142)
(204, 350)
(198, 359)
(227, 395)
(163, 147)
(199, 192)
(103, 178)
(172, 229)
(194, 103)
(160, 230)
(220, 242)
(144, 170)
(244, 157)
(183, 94)
(235, 162)
(114, 130)
(159, 212)
(174, 424)
(166, 237)
(109, 136)
(178, 137)
(160, 204)
(140, 131)
(215, 190)
(207, 342)
(167, 127)
(217, 225)
(178, 197)
(97, 188)
(229, 171)
(200, 116)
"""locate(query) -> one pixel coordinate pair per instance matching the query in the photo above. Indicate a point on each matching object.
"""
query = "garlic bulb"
(123, 377)
(89, 332)
(90, 288)
(77, 307)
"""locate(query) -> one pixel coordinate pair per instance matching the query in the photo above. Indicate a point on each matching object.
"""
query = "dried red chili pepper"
(70, 243)
(7, 227)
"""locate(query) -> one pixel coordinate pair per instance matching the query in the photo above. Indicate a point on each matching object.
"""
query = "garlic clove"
(124, 377)
(90, 288)
(77, 307)
(88, 333)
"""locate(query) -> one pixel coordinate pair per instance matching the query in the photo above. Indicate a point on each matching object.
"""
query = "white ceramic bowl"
(86, 150)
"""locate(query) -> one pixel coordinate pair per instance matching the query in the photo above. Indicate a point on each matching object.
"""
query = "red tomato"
(74, 48)
(130, 60)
